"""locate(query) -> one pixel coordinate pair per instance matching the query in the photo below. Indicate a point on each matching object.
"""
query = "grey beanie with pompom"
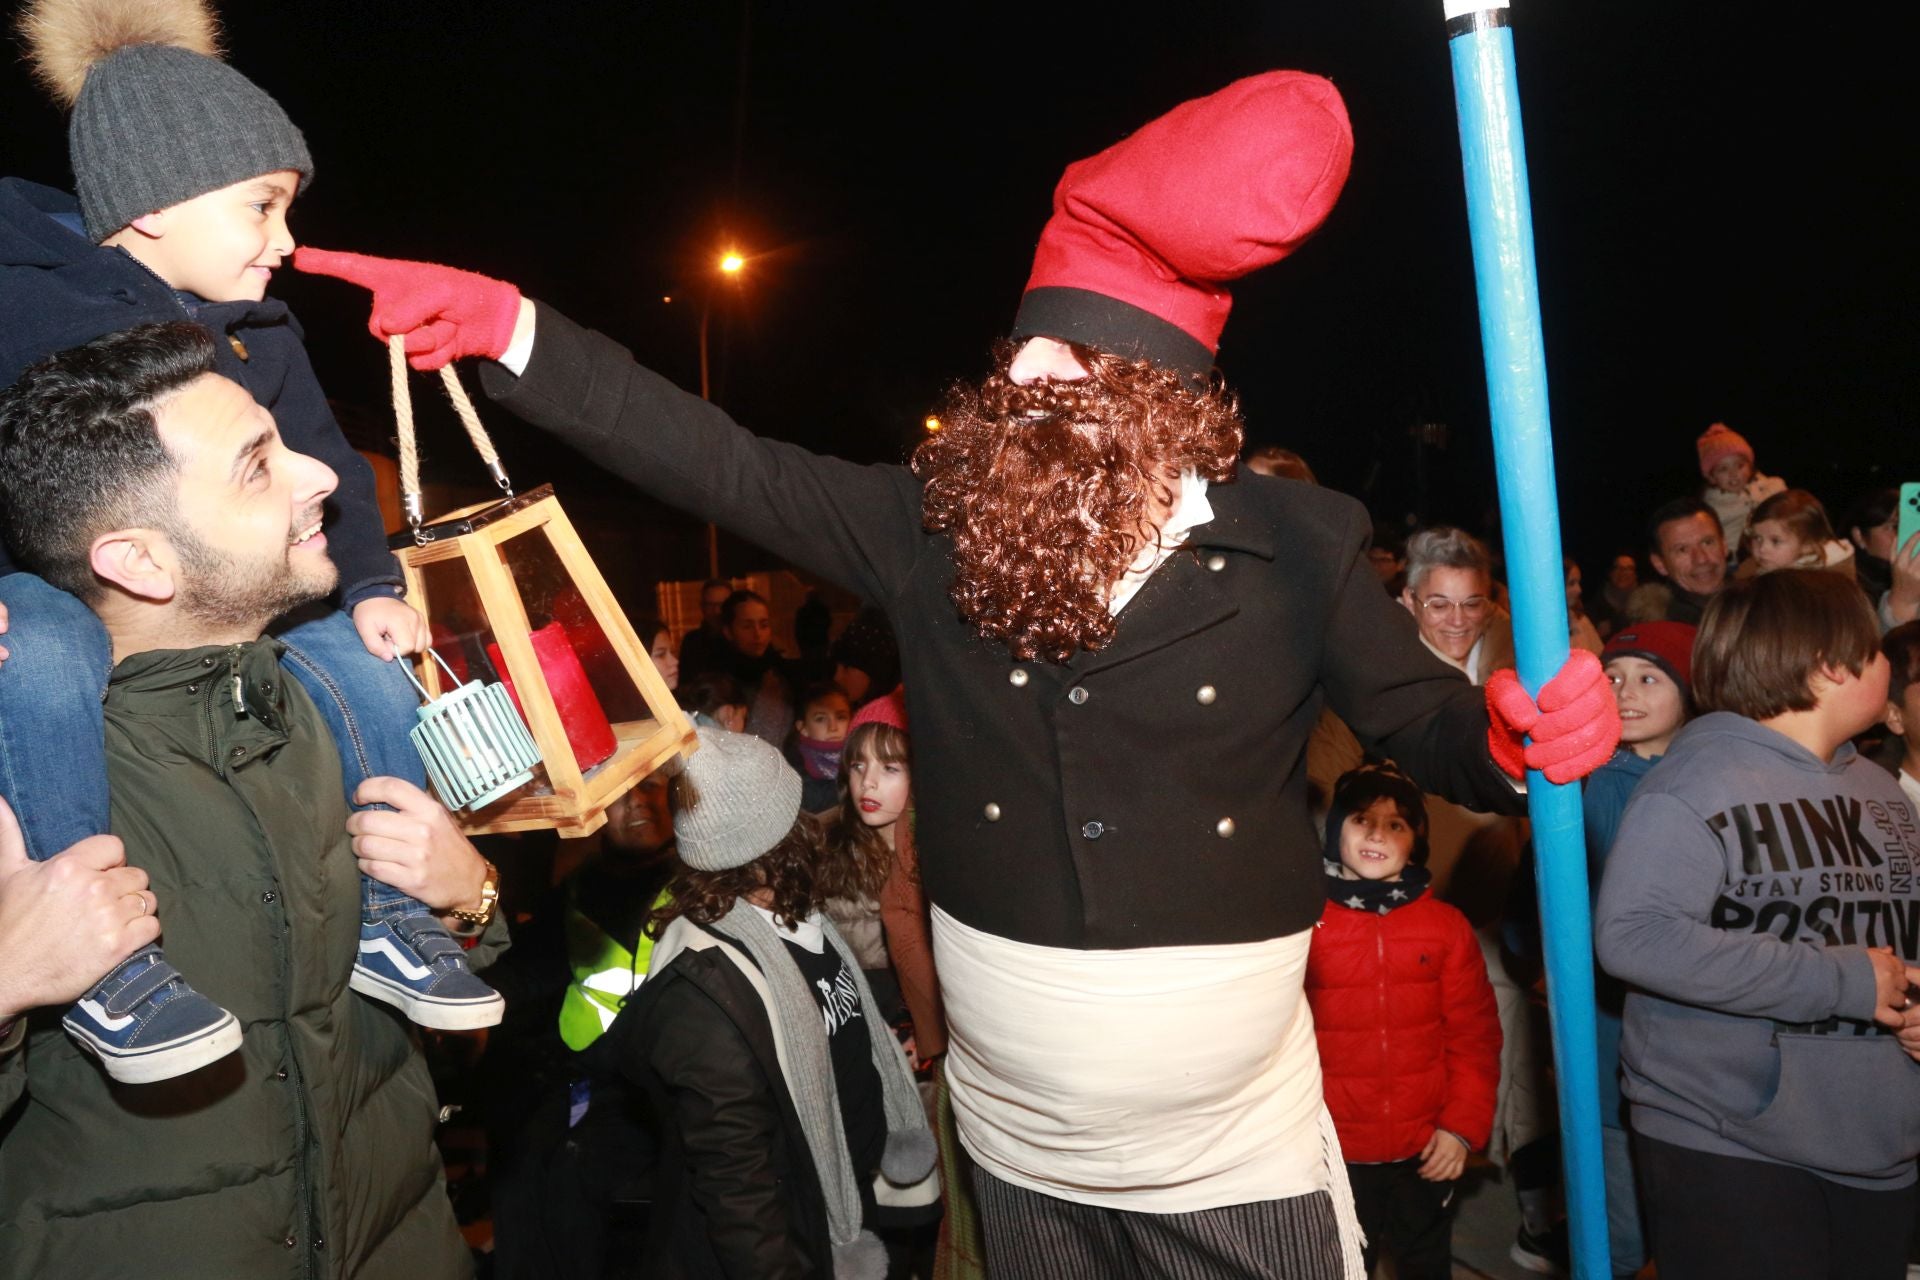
(157, 117)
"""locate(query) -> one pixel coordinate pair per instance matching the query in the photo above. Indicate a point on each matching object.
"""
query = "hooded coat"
(60, 290)
(1408, 1030)
(308, 1152)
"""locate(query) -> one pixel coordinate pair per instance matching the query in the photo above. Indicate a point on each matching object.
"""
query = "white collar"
(1190, 510)
(806, 933)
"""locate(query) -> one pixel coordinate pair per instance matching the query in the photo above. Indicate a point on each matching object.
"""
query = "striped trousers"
(1034, 1236)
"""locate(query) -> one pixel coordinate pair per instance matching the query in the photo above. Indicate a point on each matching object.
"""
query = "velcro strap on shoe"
(142, 987)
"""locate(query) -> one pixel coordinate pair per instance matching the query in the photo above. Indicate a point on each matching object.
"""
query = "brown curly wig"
(1044, 489)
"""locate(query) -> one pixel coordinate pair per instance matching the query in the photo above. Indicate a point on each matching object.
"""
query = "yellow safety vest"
(604, 975)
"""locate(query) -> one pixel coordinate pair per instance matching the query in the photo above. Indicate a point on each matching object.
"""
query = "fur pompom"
(64, 38)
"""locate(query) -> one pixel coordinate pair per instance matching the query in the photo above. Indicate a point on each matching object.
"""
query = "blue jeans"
(53, 753)
(369, 706)
(53, 764)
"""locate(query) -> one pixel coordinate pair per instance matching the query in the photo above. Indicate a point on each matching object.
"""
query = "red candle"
(588, 731)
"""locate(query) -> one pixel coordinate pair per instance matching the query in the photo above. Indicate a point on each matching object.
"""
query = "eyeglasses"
(1439, 607)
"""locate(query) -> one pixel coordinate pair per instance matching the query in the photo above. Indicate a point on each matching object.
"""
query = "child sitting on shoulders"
(790, 1110)
(1410, 1077)
(1790, 530)
(1734, 487)
(814, 746)
(1760, 899)
(1650, 664)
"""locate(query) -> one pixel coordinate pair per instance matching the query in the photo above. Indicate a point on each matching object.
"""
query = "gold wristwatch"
(489, 898)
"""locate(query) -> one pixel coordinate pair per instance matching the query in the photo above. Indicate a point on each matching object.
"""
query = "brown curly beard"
(1045, 489)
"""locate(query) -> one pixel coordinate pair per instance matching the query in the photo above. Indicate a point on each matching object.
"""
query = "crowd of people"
(1136, 885)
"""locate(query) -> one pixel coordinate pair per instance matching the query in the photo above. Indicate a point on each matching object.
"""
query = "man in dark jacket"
(1110, 727)
(161, 494)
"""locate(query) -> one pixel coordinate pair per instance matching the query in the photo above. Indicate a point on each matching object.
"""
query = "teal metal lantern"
(476, 747)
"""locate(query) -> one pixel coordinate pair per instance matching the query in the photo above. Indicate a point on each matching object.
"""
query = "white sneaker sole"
(1535, 1263)
(434, 1014)
(163, 1061)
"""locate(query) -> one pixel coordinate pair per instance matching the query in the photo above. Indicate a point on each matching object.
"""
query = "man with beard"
(161, 494)
(1114, 654)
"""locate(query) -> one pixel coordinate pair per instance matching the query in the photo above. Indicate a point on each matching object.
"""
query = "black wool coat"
(1153, 793)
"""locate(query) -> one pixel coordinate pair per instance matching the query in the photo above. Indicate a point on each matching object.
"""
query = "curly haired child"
(793, 1128)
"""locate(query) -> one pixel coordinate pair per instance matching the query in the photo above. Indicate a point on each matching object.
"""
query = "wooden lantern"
(511, 594)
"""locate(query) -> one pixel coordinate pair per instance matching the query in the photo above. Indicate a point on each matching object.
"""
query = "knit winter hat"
(157, 117)
(1721, 441)
(1145, 235)
(745, 797)
(891, 709)
(1667, 645)
(1356, 792)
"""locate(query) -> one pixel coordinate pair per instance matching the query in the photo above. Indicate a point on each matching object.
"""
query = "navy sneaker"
(145, 1023)
(413, 963)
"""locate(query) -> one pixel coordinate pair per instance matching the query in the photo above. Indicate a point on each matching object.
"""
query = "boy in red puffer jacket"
(1409, 1034)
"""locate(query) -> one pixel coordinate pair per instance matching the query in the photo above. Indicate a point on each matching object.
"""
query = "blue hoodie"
(1746, 880)
(1603, 800)
(58, 290)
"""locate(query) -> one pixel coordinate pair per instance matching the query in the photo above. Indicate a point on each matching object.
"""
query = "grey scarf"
(910, 1151)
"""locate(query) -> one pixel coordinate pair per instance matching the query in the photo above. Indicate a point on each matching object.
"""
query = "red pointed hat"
(1145, 235)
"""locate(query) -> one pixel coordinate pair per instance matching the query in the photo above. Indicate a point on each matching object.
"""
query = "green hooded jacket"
(307, 1153)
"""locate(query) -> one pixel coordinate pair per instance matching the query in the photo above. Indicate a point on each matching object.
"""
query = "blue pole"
(1495, 161)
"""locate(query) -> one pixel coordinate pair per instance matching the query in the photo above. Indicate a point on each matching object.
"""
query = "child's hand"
(4, 655)
(1891, 980)
(415, 847)
(444, 312)
(1444, 1158)
(390, 628)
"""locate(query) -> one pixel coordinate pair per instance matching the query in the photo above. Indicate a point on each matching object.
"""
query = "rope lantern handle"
(409, 446)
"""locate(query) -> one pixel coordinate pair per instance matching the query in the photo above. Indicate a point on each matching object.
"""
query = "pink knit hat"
(1721, 441)
(891, 709)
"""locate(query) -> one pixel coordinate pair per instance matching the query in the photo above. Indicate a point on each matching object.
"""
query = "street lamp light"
(730, 265)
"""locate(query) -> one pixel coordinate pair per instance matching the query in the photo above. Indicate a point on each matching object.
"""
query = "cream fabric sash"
(1158, 1080)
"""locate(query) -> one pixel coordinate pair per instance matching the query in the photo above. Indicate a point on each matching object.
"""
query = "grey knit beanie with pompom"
(157, 117)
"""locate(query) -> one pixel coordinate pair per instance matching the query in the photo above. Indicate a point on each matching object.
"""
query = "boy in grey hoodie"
(1761, 897)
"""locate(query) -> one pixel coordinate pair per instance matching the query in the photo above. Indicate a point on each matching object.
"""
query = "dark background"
(1723, 207)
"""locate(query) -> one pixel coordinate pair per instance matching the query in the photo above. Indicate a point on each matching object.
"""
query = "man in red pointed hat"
(1114, 650)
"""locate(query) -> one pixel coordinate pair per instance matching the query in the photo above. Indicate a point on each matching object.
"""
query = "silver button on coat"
(1017, 677)
(1205, 695)
(1092, 830)
(1216, 562)
(1077, 695)
(991, 812)
(1224, 828)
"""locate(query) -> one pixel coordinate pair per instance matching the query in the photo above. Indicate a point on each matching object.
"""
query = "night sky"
(1723, 210)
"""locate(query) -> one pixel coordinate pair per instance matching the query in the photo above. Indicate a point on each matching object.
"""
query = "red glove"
(445, 313)
(1575, 727)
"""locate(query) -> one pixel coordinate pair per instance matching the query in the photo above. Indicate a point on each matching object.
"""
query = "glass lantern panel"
(461, 630)
(568, 636)
(463, 636)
